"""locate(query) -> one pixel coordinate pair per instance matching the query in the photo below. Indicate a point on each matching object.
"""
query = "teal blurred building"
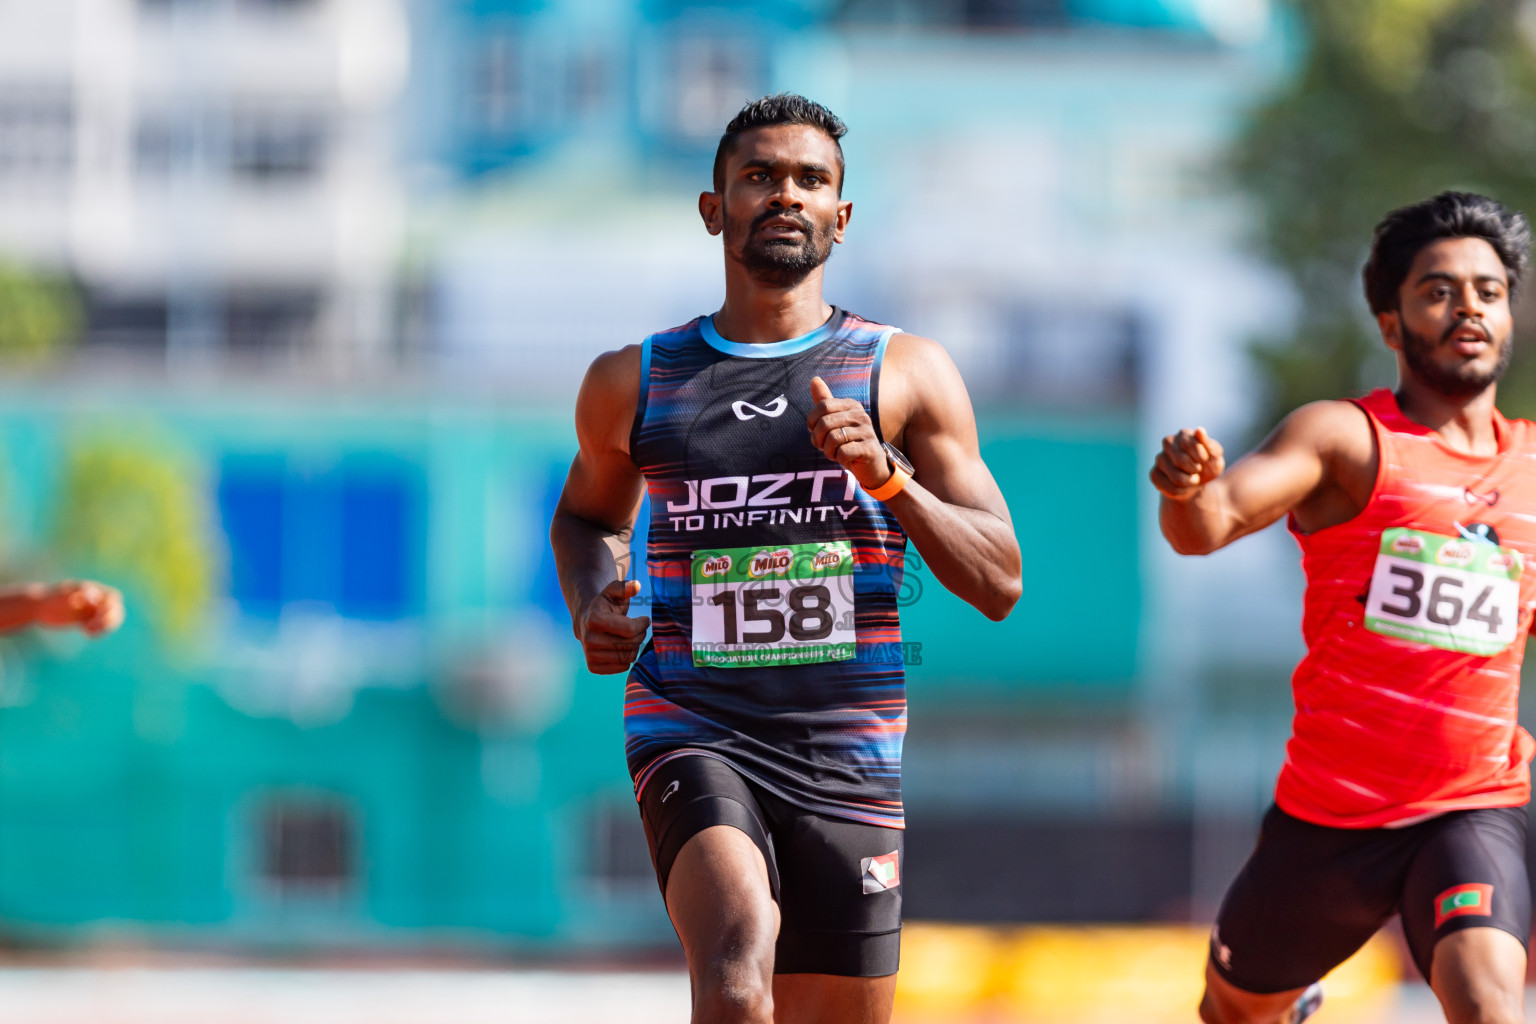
(381, 733)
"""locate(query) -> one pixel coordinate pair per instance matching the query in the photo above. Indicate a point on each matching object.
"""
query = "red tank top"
(1416, 615)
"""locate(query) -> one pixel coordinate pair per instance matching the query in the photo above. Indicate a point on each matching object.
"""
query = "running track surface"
(245, 995)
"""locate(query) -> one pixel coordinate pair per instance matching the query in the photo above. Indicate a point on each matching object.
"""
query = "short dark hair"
(1405, 231)
(780, 108)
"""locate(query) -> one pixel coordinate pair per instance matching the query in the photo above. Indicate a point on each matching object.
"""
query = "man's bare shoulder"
(1333, 427)
(915, 349)
(610, 393)
(919, 382)
(920, 364)
(618, 369)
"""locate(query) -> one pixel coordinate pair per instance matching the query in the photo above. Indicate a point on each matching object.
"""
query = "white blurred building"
(218, 175)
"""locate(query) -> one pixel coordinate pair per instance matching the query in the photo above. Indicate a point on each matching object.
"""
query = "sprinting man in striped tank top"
(1407, 773)
(789, 450)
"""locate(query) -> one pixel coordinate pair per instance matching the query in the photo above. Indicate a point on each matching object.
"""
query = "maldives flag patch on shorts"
(881, 873)
(1461, 900)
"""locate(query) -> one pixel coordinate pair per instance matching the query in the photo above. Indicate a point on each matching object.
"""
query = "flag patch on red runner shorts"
(1461, 900)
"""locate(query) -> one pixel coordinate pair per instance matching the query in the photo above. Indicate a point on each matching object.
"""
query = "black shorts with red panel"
(837, 882)
(1311, 895)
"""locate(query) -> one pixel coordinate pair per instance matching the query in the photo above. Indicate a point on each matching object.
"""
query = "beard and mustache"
(1456, 382)
(782, 262)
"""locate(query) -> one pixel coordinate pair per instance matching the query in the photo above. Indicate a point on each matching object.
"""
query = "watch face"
(896, 457)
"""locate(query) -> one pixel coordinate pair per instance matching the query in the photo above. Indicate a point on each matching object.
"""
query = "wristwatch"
(901, 472)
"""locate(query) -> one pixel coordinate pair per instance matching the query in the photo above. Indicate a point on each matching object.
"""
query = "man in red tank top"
(1407, 773)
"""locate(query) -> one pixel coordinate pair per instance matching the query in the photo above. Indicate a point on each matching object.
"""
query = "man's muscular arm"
(1319, 463)
(595, 516)
(952, 509)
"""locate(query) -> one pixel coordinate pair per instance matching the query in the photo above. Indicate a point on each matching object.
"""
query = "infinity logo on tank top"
(775, 409)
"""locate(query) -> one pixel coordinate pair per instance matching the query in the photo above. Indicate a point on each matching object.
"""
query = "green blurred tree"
(1395, 100)
(38, 314)
(133, 511)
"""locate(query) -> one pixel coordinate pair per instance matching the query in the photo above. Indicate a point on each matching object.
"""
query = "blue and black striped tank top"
(774, 576)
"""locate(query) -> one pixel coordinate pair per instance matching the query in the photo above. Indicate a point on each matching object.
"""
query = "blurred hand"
(842, 430)
(611, 637)
(95, 607)
(1189, 460)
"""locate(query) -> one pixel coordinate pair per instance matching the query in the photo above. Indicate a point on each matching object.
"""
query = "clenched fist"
(1189, 460)
(94, 607)
(610, 637)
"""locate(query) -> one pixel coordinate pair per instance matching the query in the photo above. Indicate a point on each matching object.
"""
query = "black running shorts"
(1310, 895)
(837, 882)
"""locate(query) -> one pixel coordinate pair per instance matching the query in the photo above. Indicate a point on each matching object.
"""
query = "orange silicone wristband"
(893, 486)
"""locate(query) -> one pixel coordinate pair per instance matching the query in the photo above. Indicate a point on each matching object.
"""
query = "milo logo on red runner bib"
(1456, 593)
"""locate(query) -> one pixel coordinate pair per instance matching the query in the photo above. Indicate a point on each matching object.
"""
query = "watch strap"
(893, 485)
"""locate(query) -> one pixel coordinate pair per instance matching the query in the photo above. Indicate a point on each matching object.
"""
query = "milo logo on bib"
(765, 563)
(1454, 593)
(790, 605)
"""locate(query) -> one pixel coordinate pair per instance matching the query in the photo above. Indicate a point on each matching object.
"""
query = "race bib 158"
(788, 605)
(1448, 592)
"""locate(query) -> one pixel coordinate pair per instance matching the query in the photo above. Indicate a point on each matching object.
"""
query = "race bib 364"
(1448, 592)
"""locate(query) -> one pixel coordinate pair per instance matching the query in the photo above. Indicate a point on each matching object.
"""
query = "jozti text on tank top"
(774, 577)
(1416, 616)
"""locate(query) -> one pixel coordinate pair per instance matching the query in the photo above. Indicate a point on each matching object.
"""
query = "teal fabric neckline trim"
(771, 349)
